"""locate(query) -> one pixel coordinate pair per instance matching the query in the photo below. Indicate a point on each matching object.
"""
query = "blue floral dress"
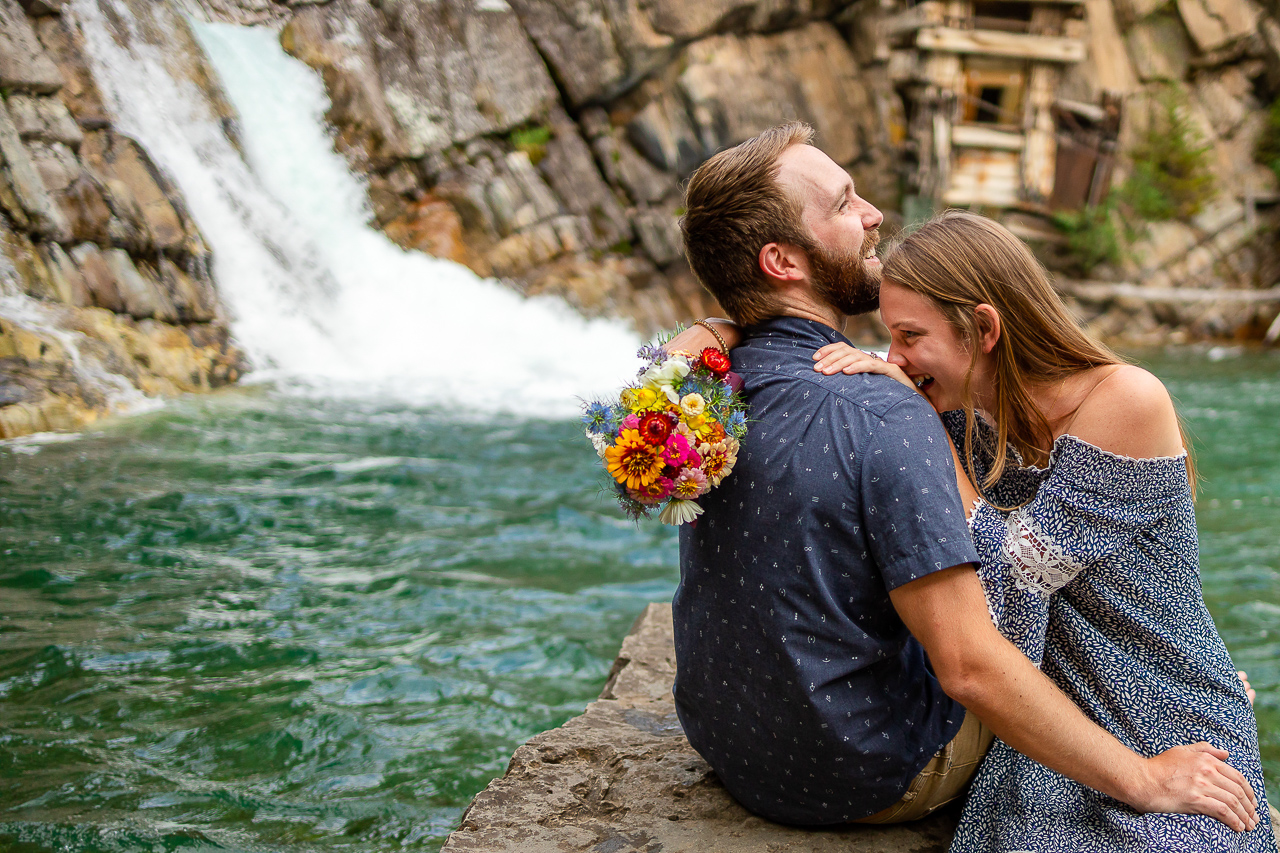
(1097, 580)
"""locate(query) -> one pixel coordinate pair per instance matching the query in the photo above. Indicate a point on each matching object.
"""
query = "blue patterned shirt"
(796, 680)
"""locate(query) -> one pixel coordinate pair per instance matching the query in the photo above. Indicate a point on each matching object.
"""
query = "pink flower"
(655, 492)
(677, 450)
(691, 483)
(631, 422)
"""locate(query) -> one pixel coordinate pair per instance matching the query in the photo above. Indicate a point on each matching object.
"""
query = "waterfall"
(320, 301)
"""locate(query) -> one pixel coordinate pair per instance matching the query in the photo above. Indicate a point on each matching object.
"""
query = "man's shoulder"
(875, 394)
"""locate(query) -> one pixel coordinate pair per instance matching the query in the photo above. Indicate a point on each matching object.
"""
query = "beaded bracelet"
(724, 348)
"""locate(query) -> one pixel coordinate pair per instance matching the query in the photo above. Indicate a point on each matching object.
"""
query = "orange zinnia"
(633, 461)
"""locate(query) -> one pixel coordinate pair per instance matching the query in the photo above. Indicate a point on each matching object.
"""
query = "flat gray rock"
(622, 777)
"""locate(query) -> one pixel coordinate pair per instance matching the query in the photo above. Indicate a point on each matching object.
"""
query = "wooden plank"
(993, 43)
(1041, 151)
(984, 177)
(1108, 51)
(981, 136)
(927, 13)
(1104, 291)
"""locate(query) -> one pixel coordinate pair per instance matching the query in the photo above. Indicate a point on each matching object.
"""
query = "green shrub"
(1092, 238)
(532, 140)
(1171, 177)
(1268, 151)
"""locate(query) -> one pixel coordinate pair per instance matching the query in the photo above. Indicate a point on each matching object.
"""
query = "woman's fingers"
(837, 357)
(1248, 688)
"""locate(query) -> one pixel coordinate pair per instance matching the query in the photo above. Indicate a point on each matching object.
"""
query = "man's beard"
(842, 280)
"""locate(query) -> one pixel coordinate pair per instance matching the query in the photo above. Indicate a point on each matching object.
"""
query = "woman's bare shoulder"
(1129, 412)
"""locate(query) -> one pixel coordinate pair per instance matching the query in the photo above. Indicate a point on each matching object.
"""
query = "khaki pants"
(944, 778)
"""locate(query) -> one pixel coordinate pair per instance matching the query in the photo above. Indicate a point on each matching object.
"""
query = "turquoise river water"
(256, 621)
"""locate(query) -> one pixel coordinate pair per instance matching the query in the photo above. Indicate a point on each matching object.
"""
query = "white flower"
(692, 405)
(664, 377)
(678, 512)
(599, 442)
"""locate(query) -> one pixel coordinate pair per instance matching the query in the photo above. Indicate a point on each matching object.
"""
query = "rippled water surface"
(259, 622)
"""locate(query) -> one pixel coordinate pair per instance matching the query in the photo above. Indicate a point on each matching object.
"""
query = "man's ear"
(783, 262)
(988, 326)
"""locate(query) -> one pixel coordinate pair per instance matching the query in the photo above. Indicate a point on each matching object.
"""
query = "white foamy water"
(320, 300)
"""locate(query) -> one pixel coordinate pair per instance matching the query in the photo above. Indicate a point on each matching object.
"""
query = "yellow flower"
(633, 461)
(643, 399)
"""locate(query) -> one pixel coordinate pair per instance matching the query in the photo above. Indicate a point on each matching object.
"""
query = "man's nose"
(871, 217)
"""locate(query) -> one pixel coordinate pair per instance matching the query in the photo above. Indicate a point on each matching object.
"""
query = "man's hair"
(733, 208)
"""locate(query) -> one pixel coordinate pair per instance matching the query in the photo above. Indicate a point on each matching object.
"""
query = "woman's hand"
(838, 357)
(695, 338)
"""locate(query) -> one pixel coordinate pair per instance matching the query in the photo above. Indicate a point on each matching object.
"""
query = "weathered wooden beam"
(995, 43)
(979, 136)
(924, 14)
(1095, 291)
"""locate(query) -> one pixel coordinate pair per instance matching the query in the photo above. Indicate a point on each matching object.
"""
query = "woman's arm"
(696, 338)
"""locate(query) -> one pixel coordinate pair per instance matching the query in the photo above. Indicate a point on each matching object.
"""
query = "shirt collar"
(797, 328)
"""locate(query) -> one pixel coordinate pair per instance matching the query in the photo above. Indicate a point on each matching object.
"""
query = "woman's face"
(925, 346)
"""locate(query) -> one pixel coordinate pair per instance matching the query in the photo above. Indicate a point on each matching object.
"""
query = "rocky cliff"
(105, 283)
(545, 142)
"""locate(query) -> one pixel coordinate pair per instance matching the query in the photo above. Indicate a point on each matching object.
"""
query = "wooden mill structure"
(980, 82)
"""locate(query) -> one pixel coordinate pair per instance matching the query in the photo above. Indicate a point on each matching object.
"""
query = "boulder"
(1160, 48)
(599, 49)
(1215, 23)
(623, 777)
(408, 79)
(570, 170)
(23, 192)
(80, 94)
(24, 67)
(99, 281)
(737, 86)
(45, 119)
(623, 166)
(136, 192)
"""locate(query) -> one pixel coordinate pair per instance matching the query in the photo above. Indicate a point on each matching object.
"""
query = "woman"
(1086, 531)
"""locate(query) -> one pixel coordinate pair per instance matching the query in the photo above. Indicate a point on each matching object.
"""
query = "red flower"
(655, 428)
(715, 361)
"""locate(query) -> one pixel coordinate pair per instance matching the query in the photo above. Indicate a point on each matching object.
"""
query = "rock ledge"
(622, 777)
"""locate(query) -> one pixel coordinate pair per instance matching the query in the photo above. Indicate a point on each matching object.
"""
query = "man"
(837, 554)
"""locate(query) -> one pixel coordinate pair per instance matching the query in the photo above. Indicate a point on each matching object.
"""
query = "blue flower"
(598, 418)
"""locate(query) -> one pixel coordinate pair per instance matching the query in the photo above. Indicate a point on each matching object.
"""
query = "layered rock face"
(105, 281)
(544, 141)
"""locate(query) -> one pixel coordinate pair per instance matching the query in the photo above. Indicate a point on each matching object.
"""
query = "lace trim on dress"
(1038, 564)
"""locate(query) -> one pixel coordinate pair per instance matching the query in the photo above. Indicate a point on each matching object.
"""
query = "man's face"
(843, 268)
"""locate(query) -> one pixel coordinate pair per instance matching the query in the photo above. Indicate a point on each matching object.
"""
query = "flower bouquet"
(673, 435)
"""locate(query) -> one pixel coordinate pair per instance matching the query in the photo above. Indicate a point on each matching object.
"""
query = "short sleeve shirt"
(796, 680)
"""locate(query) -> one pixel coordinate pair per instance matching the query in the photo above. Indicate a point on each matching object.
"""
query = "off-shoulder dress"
(1097, 580)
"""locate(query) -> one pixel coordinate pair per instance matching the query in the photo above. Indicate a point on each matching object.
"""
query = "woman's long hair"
(960, 260)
